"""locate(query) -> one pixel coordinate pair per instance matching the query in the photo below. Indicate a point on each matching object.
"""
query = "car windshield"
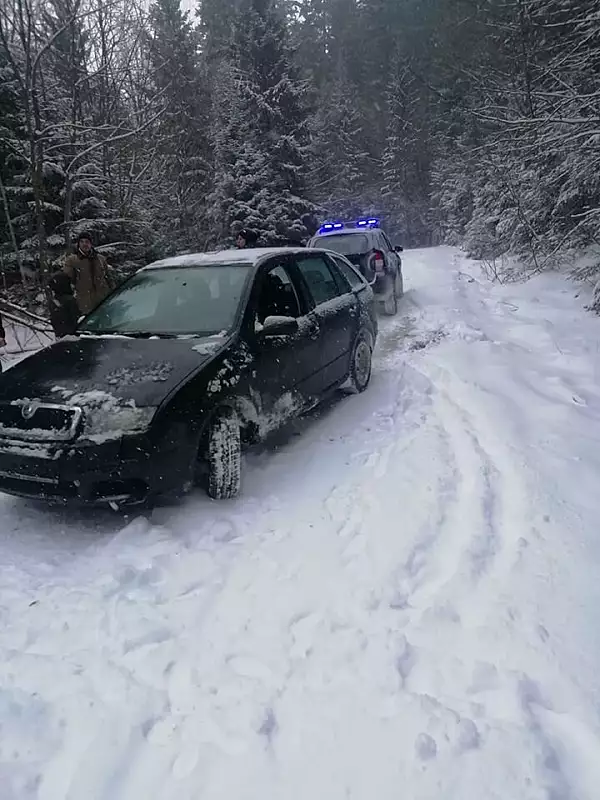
(348, 244)
(200, 300)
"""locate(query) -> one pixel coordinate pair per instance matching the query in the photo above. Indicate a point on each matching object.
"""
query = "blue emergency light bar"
(370, 222)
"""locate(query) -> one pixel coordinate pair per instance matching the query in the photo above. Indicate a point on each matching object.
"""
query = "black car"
(185, 363)
(367, 246)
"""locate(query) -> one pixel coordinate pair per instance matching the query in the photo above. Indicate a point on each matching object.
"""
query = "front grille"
(39, 422)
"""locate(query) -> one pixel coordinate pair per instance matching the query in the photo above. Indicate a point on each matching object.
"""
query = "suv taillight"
(378, 262)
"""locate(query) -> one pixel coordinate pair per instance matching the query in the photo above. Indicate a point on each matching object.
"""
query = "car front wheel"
(224, 456)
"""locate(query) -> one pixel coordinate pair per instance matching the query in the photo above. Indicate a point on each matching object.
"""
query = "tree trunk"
(11, 231)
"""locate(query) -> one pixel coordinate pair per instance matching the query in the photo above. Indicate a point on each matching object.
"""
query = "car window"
(388, 244)
(380, 242)
(348, 244)
(353, 276)
(197, 300)
(278, 297)
(319, 279)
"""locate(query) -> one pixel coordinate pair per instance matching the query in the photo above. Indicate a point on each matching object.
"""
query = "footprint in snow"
(484, 678)
(303, 629)
(425, 747)
(543, 633)
(399, 601)
(467, 736)
(405, 660)
(269, 726)
(224, 531)
(185, 763)
(247, 667)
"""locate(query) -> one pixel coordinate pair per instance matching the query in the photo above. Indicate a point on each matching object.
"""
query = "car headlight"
(102, 424)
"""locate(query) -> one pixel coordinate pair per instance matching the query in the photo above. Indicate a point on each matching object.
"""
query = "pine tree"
(406, 161)
(182, 149)
(340, 163)
(216, 20)
(263, 166)
(12, 145)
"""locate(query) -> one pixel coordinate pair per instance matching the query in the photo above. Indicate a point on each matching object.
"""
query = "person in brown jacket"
(89, 274)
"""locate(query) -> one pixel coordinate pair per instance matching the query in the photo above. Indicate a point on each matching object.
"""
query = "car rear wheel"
(224, 456)
(390, 304)
(399, 285)
(360, 366)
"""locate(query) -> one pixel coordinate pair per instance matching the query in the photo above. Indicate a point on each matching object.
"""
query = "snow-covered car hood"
(139, 371)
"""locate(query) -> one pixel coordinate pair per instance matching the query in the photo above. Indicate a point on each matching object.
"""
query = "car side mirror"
(279, 326)
(398, 248)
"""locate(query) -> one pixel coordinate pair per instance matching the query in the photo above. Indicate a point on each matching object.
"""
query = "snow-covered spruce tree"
(180, 136)
(340, 162)
(12, 166)
(343, 176)
(406, 161)
(260, 166)
(528, 79)
(229, 128)
(33, 210)
(381, 35)
(310, 31)
(215, 25)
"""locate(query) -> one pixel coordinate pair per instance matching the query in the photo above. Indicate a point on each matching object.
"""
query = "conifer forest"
(163, 127)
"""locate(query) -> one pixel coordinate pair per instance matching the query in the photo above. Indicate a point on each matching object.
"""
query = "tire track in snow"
(485, 528)
(464, 574)
(392, 430)
(468, 573)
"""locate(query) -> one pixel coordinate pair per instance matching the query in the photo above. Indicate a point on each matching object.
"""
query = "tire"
(224, 457)
(399, 284)
(361, 366)
(390, 304)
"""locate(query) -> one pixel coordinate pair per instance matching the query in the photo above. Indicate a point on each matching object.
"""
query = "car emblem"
(28, 410)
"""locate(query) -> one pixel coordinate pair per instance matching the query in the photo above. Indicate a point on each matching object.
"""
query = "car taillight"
(378, 261)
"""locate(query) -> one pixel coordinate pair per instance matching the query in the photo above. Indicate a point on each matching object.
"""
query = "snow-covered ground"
(403, 604)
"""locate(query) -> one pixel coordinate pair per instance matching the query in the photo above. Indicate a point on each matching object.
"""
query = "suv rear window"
(352, 275)
(348, 244)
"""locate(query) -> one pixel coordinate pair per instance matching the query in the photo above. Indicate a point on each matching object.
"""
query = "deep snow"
(402, 604)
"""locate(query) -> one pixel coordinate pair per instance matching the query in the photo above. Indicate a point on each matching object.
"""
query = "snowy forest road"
(403, 602)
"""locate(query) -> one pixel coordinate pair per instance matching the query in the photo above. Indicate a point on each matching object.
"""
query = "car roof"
(345, 232)
(250, 256)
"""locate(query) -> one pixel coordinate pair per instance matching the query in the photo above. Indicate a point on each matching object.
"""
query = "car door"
(362, 292)
(287, 369)
(336, 311)
(391, 256)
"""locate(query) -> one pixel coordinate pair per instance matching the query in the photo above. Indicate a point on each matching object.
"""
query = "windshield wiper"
(130, 334)
(148, 335)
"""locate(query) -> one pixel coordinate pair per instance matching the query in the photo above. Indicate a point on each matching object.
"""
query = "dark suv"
(364, 244)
